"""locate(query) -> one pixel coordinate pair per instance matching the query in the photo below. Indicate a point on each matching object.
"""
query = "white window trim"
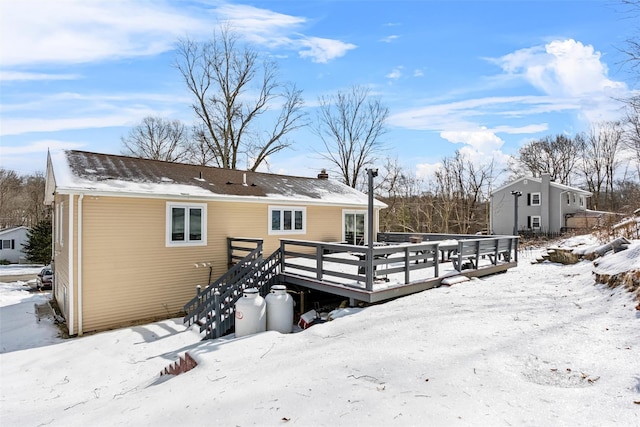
(539, 222)
(539, 199)
(581, 201)
(293, 209)
(173, 244)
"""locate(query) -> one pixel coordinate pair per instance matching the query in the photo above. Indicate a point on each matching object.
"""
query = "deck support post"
(319, 254)
(407, 265)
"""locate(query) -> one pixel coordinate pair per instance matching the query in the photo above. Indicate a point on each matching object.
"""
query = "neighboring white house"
(543, 206)
(11, 242)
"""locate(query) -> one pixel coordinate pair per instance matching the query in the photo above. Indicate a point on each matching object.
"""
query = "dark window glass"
(287, 220)
(298, 220)
(195, 224)
(275, 220)
(177, 224)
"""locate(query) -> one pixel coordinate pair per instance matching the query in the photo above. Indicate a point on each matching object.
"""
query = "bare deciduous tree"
(158, 139)
(632, 49)
(350, 124)
(632, 132)
(33, 199)
(10, 189)
(403, 195)
(233, 92)
(600, 160)
(556, 156)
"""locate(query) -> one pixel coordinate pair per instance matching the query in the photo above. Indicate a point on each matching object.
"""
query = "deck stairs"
(213, 308)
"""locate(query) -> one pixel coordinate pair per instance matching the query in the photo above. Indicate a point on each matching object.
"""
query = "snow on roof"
(79, 171)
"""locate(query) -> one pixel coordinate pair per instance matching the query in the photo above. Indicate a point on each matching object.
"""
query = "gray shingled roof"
(106, 173)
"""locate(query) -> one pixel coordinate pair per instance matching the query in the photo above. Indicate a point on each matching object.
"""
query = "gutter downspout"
(80, 264)
(71, 290)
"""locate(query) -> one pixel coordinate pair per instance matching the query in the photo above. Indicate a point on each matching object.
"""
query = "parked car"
(45, 278)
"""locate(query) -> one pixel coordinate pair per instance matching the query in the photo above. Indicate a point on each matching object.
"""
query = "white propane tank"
(279, 310)
(251, 313)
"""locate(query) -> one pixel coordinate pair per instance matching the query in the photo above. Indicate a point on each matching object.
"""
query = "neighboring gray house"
(543, 206)
(11, 241)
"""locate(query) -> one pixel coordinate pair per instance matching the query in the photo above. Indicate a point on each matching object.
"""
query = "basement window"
(287, 220)
(186, 224)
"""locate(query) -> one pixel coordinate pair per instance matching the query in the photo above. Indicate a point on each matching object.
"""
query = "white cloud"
(395, 74)
(28, 76)
(561, 68)
(77, 31)
(482, 140)
(40, 146)
(252, 20)
(22, 126)
(323, 50)
(571, 76)
(390, 38)
(418, 73)
(528, 129)
(461, 115)
(426, 170)
(71, 110)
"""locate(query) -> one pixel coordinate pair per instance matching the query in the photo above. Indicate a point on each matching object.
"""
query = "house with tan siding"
(132, 238)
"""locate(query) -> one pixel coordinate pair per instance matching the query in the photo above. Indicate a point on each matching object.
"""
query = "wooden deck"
(399, 268)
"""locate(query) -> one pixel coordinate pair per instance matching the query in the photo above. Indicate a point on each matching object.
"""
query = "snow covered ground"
(540, 345)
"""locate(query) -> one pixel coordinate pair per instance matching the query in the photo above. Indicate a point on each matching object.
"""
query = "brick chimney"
(323, 174)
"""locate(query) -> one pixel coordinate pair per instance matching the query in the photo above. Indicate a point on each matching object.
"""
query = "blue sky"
(483, 77)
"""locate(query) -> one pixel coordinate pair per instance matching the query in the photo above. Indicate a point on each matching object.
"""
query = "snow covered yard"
(538, 345)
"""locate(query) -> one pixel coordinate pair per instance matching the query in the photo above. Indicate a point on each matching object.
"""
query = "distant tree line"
(21, 199)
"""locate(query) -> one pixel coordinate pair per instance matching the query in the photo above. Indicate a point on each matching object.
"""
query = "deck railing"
(347, 264)
(239, 247)
(389, 237)
(339, 263)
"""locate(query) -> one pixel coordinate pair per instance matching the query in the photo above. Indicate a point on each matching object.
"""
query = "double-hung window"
(535, 222)
(287, 220)
(186, 224)
(535, 199)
